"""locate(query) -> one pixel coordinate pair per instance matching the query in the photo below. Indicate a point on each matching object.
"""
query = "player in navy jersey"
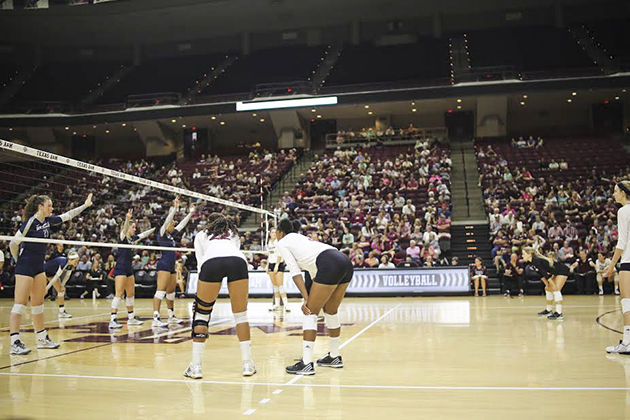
(30, 276)
(167, 278)
(58, 271)
(123, 273)
(554, 275)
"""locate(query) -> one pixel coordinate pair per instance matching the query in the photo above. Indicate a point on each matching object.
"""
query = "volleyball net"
(147, 187)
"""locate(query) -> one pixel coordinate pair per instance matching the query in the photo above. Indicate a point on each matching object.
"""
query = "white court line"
(169, 332)
(342, 386)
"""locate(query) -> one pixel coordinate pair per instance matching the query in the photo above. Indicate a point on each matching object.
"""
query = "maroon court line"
(57, 355)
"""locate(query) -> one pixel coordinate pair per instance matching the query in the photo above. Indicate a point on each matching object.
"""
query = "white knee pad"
(36, 310)
(281, 289)
(160, 294)
(310, 322)
(20, 309)
(129, 301)
(625, 305)
(240, 317)
(557, 296)
(548, 295)
(332, 321)
(276, 290)
(170, 296)
(115, 302)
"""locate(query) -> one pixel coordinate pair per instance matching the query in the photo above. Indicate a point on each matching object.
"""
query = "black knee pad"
(201, 317)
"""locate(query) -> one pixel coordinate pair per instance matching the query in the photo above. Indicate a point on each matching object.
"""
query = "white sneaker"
(193, 371)
(601, 292)
(249, 368)
(134, 321)
(157, 322)
(64, 314)
(174, 320)
(619, 348)
(46, 343)
(113, 324)
(616, 291)
(18, 348)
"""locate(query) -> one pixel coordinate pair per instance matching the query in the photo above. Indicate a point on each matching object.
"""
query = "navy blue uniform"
(31, 256)
(53, 264)
(123, 261)
(167, 261)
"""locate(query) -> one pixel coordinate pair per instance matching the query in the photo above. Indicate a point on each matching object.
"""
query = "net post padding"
(63, 160)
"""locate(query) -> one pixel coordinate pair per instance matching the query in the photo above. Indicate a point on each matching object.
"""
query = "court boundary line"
(601, 324)
(39, 359)
(304, 385)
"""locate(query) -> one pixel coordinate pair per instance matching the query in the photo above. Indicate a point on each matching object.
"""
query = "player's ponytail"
(537, 254)
(218, 225)
(32, 205)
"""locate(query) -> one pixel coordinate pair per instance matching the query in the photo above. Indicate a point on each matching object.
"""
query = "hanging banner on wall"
(399, 282)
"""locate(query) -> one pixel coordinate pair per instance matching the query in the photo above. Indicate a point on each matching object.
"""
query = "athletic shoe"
(300, 368)
(134, 321)
(249, 368)
(46, 343)
(274, 308)
(619, 348)
(556, 316)
(616, 291)
(328, 361)
(601, 292)
(18, 348)
(157, 322)
(544, 313)
(193, 371)
(286, 309)
(64, 314)
(174, 320)
(113, 324)
(110, 296)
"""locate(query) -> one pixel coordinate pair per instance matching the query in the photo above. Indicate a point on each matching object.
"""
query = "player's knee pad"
(281, 290)
(310, 322)
(240, 317)
(549, 295)
(201, 317)
(36, 310)
(557, 296)
(160, 294)
(18, 309)
(625, 305)
(129, 301)
(170, 296)
(332, 321)
(115, 302)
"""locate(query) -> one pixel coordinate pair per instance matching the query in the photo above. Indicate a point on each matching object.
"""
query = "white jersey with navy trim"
(209, 246)
(272, 248)
(300, 253)
(623, 228)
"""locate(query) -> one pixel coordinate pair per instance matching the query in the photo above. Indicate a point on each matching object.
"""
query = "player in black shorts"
(275, 270)
(331, 272)
(554, 275)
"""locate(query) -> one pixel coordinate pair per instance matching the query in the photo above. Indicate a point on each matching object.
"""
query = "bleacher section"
(426, 60)
(614, 36)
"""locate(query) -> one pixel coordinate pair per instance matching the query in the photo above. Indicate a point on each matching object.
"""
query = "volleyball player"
(275, 270)
(30, 276)
(622, 254)
(167, 278)
(123, 274)
(554, 275)
(331, 272)
(58, 270)
(218, 254)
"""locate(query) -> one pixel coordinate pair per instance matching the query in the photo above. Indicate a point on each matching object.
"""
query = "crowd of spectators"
(382, 206)
(367, 135)
(565, 212)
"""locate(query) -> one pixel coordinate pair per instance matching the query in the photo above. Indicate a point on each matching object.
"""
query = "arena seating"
(63, 82)
(286, 64)
(614, 37)
(168, 74)
(567, 182)
(426, 60)
(528, 49)
(374, 177)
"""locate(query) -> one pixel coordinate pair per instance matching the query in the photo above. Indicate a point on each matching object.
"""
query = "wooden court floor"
(405, 358)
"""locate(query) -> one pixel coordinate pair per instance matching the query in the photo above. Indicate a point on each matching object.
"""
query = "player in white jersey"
(275, 270)
(331, 272)
(600, 265)
(622, 253)
(218, 254)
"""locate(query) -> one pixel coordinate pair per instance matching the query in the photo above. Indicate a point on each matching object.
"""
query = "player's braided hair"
(219, 224)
